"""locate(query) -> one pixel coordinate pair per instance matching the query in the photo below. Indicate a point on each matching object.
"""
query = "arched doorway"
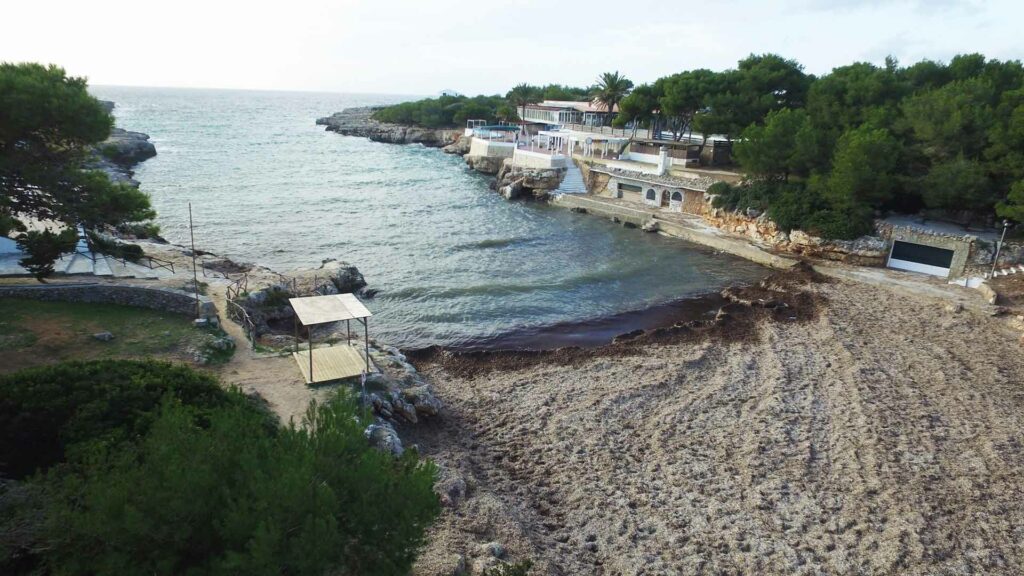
(676, 204)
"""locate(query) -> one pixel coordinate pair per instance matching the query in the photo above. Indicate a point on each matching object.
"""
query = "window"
(651, 194)
(629, 187)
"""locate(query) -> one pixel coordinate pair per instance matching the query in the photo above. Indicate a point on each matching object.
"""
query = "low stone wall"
(643, 218)
(163, 299)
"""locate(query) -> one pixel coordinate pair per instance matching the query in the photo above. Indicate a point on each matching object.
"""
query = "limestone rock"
(103, 336)
(422, 400)
(345, 277)
(460, 146)
(492, 549)
(450, 487)
(384, 438)
(484, 164)
(358, 122)
(127, 148)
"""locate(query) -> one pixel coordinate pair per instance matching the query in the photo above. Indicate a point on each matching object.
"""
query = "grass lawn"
(34, 333)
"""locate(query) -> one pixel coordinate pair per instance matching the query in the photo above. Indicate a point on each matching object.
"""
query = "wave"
(491, 243)
(424, 293)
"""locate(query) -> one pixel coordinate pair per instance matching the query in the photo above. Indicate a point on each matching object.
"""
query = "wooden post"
(195, 277)
(295, 325)
(366, 341)
(309, 334)
(348, 329)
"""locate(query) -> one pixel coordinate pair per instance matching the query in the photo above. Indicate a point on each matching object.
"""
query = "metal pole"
(195, 277)
(366, 341)
(348, 329)
(309, 334)
(295, 325)
(992, 273)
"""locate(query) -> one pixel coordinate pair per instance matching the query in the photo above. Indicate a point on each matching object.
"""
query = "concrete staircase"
(83, 262)
(572, 183)
(78, 263)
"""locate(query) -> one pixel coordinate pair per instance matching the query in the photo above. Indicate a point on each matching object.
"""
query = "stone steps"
(572, 183)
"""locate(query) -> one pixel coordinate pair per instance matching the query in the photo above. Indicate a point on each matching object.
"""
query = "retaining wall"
(705, 238)
(163, 299)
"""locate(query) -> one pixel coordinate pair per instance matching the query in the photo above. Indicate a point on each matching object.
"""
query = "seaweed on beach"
(779, 297)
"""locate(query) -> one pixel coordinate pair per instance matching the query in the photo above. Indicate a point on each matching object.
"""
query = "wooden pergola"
(335, 362)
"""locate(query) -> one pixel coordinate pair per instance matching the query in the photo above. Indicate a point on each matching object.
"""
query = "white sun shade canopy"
(332, 308)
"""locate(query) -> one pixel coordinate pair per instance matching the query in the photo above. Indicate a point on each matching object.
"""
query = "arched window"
(677, 195)
(651, 194)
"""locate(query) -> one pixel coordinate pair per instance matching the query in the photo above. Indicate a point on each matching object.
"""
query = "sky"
(486, 46)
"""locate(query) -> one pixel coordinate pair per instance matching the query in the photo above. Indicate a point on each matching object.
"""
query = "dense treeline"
(453, 111)
(123, 467)
(828, 154)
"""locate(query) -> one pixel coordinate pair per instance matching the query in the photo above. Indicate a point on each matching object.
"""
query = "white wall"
(481, 147)
(527, 159)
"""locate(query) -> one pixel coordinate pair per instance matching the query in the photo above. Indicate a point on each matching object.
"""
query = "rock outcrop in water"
(358, 122)
(518, 182)
(118, 154)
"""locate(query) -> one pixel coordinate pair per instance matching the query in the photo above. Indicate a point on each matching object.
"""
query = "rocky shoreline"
(358, 122)
(118, 155)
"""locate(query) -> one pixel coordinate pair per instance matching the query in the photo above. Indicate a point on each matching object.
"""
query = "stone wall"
(163, 299)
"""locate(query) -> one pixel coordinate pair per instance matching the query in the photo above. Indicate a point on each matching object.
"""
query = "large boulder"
(484, 164)
(345, 277)
(127, 148)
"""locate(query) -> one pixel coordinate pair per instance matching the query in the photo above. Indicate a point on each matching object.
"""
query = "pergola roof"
(312, 310)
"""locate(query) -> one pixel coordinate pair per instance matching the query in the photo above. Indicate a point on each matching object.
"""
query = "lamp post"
(999, 247)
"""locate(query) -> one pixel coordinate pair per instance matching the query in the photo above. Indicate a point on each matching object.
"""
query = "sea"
(454, 263)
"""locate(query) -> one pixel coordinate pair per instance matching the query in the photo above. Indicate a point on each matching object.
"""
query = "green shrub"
(44, 411)
(104, 245)
(443, 112)
(166, 473)
(43, 248)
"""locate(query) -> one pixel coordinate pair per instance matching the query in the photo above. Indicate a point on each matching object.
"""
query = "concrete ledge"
(702, 236)
(163, 299)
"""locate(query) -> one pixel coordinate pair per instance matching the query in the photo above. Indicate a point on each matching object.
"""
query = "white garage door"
(920, 258)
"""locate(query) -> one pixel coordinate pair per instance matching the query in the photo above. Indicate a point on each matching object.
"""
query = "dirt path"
(884, 436)
(276, 378)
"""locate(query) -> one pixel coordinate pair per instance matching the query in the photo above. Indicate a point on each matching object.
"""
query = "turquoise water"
(454, 262)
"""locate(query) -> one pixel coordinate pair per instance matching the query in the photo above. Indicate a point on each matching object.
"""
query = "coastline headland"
(358, 122)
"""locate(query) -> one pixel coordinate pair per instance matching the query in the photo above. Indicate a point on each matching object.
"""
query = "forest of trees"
(827, 154)
(453, 111)
(823, 154)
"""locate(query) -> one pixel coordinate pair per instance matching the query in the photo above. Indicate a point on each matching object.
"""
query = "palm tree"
(610, 89)
(522, 95)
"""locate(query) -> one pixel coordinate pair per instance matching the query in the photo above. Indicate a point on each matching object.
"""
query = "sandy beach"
(879, 433)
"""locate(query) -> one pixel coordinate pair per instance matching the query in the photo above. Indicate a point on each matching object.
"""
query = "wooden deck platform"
(332, 363)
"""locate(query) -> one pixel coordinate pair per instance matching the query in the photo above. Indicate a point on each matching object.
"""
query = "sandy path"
(884, 436)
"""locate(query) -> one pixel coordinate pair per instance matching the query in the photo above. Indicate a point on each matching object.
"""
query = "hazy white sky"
(424, 46)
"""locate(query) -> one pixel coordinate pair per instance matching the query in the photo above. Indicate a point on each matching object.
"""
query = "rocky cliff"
(119, 153)
(518, 182)
(357, 122)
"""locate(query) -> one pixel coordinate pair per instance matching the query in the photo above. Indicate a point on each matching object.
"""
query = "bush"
(44, 411)
(165, 473)
(103, 245)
